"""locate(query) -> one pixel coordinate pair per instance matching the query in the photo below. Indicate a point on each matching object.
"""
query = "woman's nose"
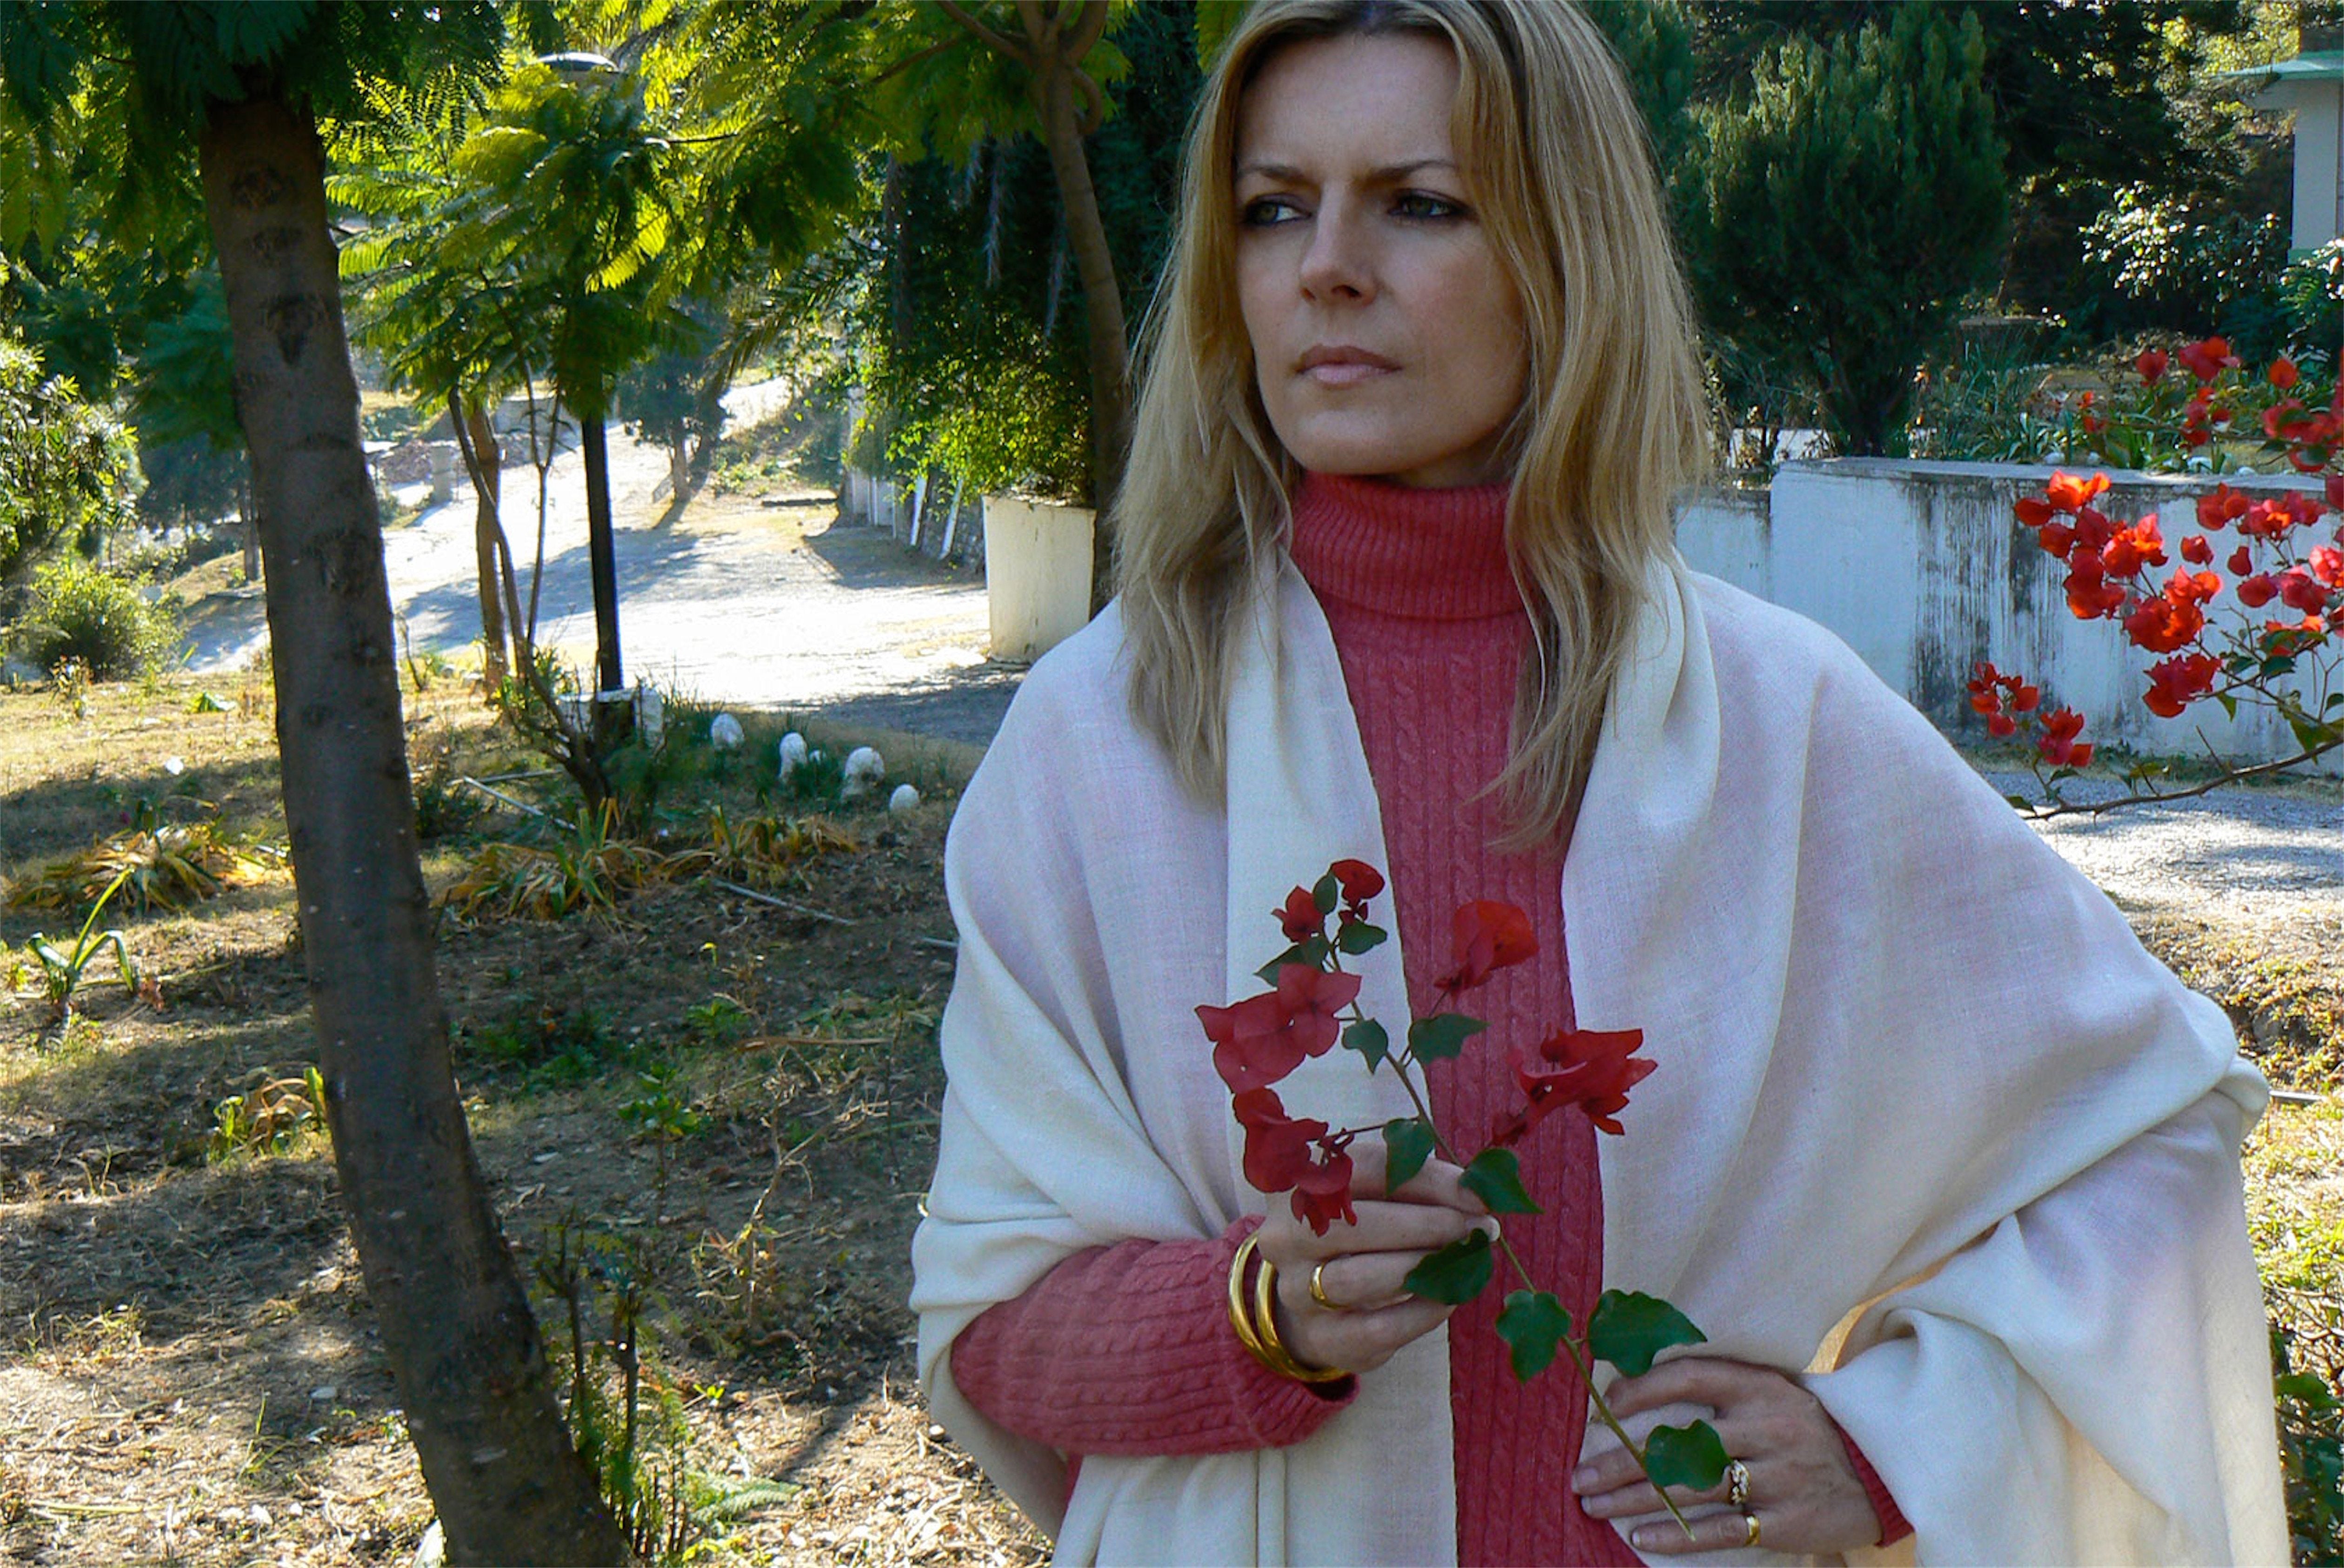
(1335, 264)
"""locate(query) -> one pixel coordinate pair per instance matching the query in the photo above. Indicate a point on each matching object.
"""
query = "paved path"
(776, 606)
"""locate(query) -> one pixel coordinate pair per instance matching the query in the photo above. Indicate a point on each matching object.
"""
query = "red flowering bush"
(2114, 566)
(1259, 1040)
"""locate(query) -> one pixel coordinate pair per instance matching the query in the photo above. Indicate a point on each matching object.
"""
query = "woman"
(1943, 1163)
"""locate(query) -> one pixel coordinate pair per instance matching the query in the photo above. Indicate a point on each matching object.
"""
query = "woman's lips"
(1344, 372)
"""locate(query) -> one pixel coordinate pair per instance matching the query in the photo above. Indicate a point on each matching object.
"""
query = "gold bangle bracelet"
(1257, 1330)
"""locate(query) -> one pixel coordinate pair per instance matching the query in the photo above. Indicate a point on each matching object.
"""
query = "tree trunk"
(476, 440)
(602, 552)
(249, 525)
(455, 1323)
(1106, 348)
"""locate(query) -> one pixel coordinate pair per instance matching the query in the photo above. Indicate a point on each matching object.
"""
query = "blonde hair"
(1612, 430)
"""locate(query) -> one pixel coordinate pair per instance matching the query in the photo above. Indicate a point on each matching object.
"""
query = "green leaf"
(1436, 1039)
(2334, 700)
(1691, 1456)
(2230, 703)
(1408, 1144)
(2020, 801)
(1356, 937)
(1455, 1274)
(1495, 1176)
(2311, 737)
(2278, 664)
(1368, 1038)
(1628, 1329)
(1312, 952)
(1324, 892)
(1532, 1324)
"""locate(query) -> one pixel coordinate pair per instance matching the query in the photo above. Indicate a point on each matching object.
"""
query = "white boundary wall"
(1922, 568)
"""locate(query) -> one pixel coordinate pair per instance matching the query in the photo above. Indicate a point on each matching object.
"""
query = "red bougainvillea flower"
(2175, 683)
(2282, 373)
(1276, 1147)
(1591, 1068)
(1358, 880)
(2327, 563)
(2241, 561)
(1300, 919)
(2277, 517)
(2058, 741)
(2197, 551)
(2219, 507)
(2072, 492)
(2298, 591)
(2257, 590)
(2090, 595)
(1311, 999)
(2160, 624)
(1488, 937)
(2208, 359)
(1253, 1046)
(2335, 489)
(1999, 696)
(2151, 365)
(1322, 1193)
(2130, 549)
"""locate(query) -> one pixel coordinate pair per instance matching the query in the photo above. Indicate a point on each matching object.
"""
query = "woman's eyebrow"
(1387, 173)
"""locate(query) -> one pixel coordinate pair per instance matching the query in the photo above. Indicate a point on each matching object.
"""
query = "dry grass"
(188, 1371)
(188, 1368)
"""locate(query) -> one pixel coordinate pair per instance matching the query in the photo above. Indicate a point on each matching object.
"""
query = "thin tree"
(244, 85)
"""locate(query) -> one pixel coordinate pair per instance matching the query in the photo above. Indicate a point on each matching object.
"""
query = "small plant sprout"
(724, 732)
(794, 754)
(905, 798)
(61, 969)
(865, 771)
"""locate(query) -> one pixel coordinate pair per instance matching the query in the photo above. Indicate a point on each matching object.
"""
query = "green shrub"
(78, 613)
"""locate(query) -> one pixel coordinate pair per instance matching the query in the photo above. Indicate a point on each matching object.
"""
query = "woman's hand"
(1361, 1266)
(1803, 1489)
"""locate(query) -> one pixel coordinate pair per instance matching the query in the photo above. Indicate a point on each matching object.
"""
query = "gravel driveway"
(2235, 856)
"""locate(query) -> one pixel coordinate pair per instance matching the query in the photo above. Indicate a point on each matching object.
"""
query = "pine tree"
(1851, 203)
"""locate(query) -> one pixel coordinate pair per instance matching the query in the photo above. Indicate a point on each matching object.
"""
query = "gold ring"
(1737, 1484)
(1319, 1290)
(1751, 1519)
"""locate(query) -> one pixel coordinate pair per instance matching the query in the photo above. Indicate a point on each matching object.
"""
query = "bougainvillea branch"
(2285, 576)
(1314, 1002)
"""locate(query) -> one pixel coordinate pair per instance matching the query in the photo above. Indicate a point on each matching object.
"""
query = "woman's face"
(1387, 339)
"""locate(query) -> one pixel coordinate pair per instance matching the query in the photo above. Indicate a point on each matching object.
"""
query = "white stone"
(905, 798)
(724, 732)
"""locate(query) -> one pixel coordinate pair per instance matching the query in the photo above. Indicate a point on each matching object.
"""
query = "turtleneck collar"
(1421, 555)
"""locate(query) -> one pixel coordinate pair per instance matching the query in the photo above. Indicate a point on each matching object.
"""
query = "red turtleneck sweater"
(1127, 1349)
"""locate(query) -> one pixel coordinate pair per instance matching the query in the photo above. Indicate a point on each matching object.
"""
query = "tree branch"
(2229, 776)
(1041, 28)
(905, 64)
(984, 35)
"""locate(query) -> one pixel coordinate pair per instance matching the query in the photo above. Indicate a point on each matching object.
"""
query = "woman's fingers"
(1439, 1183)
(1355, 1281)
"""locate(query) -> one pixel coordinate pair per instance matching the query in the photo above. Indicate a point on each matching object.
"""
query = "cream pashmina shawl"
(1928, 1126)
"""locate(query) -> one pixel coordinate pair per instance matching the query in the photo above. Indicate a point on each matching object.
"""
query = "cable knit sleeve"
(1127, 1349)
(1893, 1525)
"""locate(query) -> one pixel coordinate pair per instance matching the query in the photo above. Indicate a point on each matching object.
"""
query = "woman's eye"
(1417, 204)
(1263, 211)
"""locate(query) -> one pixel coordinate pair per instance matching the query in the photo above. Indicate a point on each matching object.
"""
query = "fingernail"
(1646, 1537)
(1583, 1478)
